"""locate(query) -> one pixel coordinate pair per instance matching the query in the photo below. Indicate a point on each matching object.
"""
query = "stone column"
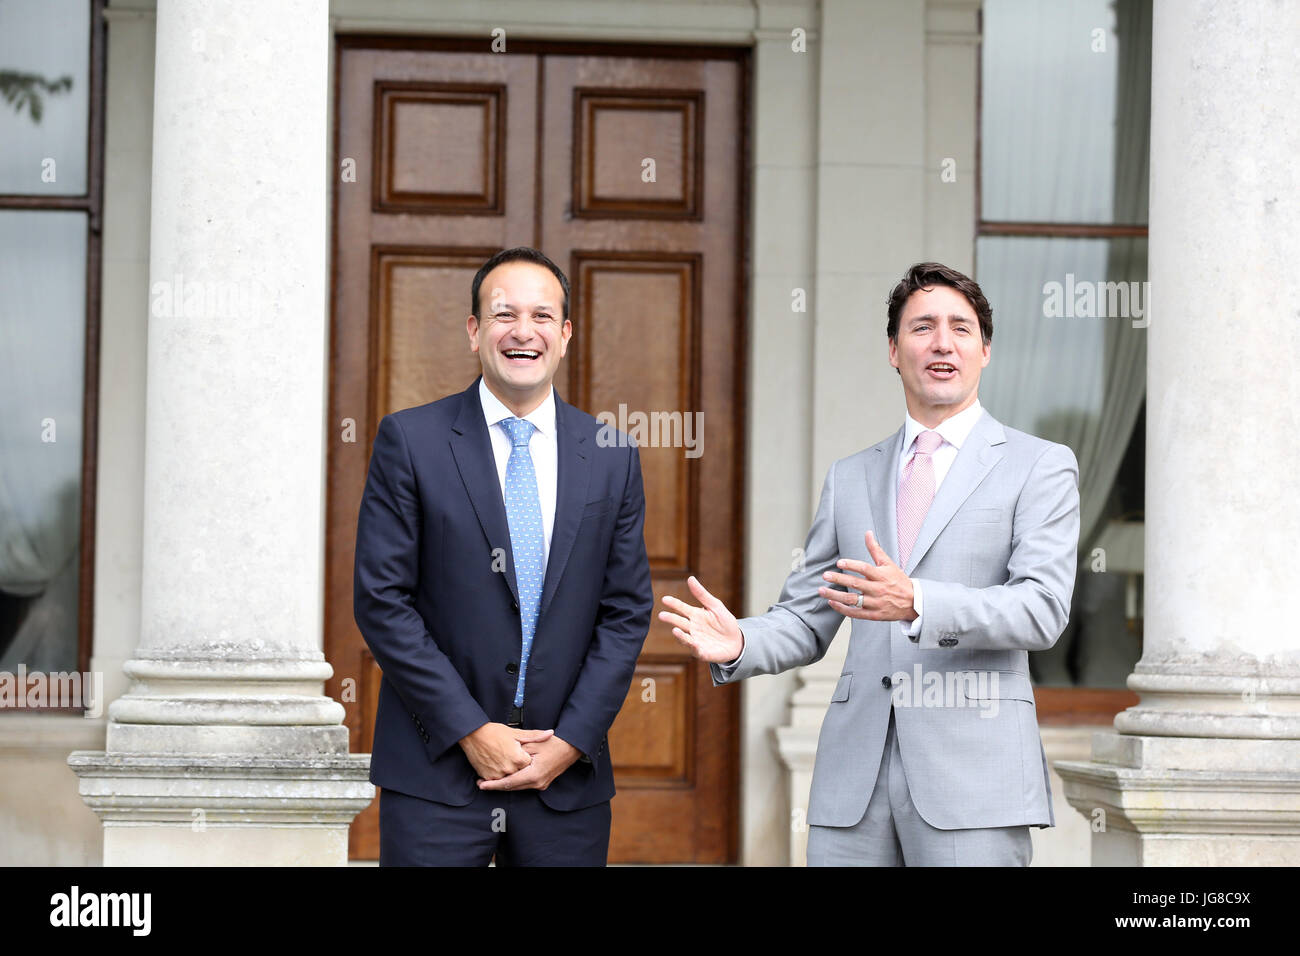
(1206, 769)
(224, 750)
(779, 499)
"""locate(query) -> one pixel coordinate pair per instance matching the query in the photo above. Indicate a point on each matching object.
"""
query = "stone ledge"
(1215, 754)
(223, 790)
(1184, 802)
(27, 733)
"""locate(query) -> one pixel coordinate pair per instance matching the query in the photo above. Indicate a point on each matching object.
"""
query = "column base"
(796, 743)
(798, 749)
(225, 704)
(302, 742)
(1188, 801)
(224, 810)
(1208, 698)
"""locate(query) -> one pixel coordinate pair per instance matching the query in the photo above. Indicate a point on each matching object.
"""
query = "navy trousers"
(514, 826)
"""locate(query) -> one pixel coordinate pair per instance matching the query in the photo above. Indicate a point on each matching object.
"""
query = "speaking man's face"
(521, 334)
(939, 353)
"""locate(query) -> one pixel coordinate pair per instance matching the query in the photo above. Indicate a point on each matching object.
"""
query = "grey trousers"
(892, 832)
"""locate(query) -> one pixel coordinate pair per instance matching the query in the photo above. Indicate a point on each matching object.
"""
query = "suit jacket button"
(512, 668)
(948, 642)
(885, 682)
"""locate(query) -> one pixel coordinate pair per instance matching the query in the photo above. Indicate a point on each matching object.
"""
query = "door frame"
(336, 524)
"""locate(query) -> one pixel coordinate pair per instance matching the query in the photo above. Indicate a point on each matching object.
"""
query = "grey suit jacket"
(996, 559)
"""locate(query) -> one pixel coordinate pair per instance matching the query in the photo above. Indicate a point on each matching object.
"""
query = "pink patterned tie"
(915, 493)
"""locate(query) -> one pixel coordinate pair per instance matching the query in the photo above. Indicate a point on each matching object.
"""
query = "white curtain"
(42, 328)
(1079, 105)
(1078, 381)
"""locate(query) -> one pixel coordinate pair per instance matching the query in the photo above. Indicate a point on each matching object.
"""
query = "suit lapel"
(572, 478)
(882, 486)
(472, 449)
(978, 454)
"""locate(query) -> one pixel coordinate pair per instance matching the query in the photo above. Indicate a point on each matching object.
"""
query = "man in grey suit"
(951, 546)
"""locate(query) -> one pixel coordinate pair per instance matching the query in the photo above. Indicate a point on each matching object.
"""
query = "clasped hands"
(712, 634)
(509, 758)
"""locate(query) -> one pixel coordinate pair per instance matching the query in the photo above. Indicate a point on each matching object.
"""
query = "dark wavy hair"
(517, 254)
(927, 275)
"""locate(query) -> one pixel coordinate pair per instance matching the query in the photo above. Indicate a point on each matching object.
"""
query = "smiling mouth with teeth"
(941, 367)
(521, 354)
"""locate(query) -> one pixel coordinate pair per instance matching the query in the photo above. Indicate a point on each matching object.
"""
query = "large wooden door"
(625, 166)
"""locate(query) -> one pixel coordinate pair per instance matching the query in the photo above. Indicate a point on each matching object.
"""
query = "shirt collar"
(494, 410)
(954, 430)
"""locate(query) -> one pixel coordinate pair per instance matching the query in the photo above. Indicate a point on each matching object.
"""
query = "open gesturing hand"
(709, 631)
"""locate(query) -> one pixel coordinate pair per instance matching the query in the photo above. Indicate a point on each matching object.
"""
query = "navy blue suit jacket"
(436, 600)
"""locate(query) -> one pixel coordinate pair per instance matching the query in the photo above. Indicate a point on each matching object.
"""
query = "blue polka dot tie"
(524, 514)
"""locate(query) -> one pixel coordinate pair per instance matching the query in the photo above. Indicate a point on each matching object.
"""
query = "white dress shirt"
(542, 447)
(953, 431)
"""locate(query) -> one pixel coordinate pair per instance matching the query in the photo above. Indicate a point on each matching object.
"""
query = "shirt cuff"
(731, 664)
(914, 629)
(723, 673)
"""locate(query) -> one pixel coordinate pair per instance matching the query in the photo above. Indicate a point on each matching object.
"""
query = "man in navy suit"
(502, 585)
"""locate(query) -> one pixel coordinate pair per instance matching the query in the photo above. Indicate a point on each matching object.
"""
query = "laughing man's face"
(521, 334)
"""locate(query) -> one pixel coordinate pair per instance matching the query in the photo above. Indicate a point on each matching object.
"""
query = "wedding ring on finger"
(860, 597)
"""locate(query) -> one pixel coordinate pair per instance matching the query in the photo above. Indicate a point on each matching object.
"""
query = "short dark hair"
(517, 254)
(927, 275)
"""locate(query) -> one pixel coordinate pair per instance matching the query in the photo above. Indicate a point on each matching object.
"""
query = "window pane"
(1065, 111)
(1068, 364)
(42, 346)
(44, 96)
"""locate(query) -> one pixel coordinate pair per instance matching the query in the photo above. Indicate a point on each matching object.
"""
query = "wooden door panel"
(669, 340)
(420, 351)
(652, 744)
(449, 150)
(615, 131)
(641, 310)
(442, 146)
